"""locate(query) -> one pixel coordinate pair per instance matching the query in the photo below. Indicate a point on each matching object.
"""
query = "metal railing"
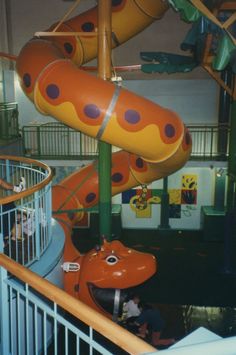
(9, 126)
(39, 318)
(210, 142)
(25, 217)
(57, 141)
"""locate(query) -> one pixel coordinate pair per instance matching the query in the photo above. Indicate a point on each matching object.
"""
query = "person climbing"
(151, 318)
(131, 309)
(15, 188)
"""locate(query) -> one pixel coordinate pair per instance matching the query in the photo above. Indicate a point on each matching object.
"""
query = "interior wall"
(188, 193)
(196, 101)
(189, 189)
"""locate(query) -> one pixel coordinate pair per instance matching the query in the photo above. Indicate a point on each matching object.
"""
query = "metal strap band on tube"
(109, 112)
(115, 39)
(116, 305)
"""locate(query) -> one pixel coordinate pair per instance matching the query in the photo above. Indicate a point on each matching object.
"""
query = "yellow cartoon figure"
(189, 182)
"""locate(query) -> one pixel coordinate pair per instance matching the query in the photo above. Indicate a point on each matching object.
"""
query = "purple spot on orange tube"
(92, 111)
(132, 116)
(27, 80)
(116, 2)
(53, 91)
(117, 177)
(87, 27)
(169, 130)
(139, 163)
(90, 197)
(68, 47)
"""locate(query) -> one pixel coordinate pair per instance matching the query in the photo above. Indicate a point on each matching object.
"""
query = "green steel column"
(224, 112)
(104, 161)
(165, 206)
(232, 160)
(219, 200)
(229, 228)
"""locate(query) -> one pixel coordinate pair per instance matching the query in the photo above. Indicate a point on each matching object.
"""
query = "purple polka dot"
(92, 111)
(187, 138)
(116, 2)
(53, 91)
(68, 47)
(27, 80)
(71, 215)
(169, 130)
(87, 27)
(139, 163)
(90, 197)
(132, 116)
(117, 177)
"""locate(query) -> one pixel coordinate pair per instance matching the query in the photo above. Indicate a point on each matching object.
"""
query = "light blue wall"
(196, 101)
(8, 86)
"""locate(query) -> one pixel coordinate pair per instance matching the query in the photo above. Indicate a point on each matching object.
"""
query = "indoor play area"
(117, 175)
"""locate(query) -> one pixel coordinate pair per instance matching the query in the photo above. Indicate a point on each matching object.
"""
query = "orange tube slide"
(154, 140)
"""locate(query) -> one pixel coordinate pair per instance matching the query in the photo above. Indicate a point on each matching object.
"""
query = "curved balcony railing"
(25, 217)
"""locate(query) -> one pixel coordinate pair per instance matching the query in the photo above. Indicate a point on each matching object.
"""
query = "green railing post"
(164, 206)
(80, 144)
(23, 140)
(38, 141)
(212, 139)
(68, 141)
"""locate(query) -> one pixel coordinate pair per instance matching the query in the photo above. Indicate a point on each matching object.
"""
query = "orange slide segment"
(155, 141)
(128, 19)
(103, 110)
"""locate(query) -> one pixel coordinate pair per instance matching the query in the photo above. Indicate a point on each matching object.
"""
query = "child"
(24, 227)
(131, 309)
(16, 188)
(7, 210)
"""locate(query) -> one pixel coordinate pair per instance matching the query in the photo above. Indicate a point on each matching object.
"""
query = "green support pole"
(232, 160)
(219, 200)
(224, 112)
(104, 161)
(104, 168)
(229, 248)
(165, 206)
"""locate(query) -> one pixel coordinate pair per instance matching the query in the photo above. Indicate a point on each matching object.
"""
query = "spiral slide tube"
(154, 140)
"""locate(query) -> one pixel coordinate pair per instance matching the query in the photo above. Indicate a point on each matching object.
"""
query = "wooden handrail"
(30, 190)
(118, 335)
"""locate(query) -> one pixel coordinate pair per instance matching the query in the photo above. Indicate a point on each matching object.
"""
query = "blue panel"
(53, 254)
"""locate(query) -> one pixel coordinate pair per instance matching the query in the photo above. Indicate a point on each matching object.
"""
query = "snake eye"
(111, 259)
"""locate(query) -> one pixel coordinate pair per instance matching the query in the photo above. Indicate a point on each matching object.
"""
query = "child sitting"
(24, 226)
